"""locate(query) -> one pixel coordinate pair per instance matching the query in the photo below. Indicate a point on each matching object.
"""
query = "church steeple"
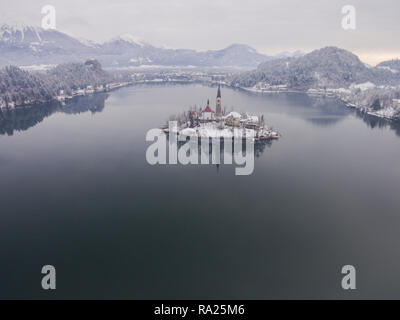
(219, 103)
(219, 91)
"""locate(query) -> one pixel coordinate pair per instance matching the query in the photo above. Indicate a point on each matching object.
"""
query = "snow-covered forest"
(19, 87)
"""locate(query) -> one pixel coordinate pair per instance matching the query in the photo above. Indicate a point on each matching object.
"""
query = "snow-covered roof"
(234, 115)
(251, 119)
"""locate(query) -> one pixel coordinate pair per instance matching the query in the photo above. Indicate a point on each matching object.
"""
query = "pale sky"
(270, 26)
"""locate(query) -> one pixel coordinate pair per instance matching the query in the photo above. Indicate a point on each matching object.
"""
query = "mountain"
(234, 55)
(26, 45)
(328, 67)
(128, 51)
(391, 65)
(37, 39)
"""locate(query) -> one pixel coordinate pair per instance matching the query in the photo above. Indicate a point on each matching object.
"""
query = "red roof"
(208, 109)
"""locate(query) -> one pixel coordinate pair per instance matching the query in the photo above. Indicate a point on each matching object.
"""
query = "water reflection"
(376, 122)
(219, 151)
(21, 119)
(215, 235)
(322, 111)
(318, 110)
(333, 110)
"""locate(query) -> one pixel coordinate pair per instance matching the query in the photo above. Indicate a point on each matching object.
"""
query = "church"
(208, 115)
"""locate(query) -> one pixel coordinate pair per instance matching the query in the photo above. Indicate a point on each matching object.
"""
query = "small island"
(207, 123)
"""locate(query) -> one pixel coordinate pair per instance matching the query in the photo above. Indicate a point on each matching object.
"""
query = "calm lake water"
(76, 192)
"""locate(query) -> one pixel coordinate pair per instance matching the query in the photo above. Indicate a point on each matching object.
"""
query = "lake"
(76, 192)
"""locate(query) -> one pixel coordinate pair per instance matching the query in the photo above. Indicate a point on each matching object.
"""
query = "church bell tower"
(219, 103)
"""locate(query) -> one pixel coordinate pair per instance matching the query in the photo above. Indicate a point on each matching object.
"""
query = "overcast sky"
(270, 26)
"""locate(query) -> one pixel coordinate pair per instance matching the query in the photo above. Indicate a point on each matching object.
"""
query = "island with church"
(207, 123)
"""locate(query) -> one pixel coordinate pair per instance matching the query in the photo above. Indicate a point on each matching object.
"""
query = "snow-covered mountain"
(234, 55)
(37, 39)
(391, 65)
(122, 44)
(26, 45)
(328, 67)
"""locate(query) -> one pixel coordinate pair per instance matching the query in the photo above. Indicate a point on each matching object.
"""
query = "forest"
(19, 87)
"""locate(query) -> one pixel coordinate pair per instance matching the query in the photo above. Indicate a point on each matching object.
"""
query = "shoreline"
(76, 93)
(114, 86)
(324, 95)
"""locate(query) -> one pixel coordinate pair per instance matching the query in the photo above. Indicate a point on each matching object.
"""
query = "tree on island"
(261, 121)
(376, 105)
(191, 119)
